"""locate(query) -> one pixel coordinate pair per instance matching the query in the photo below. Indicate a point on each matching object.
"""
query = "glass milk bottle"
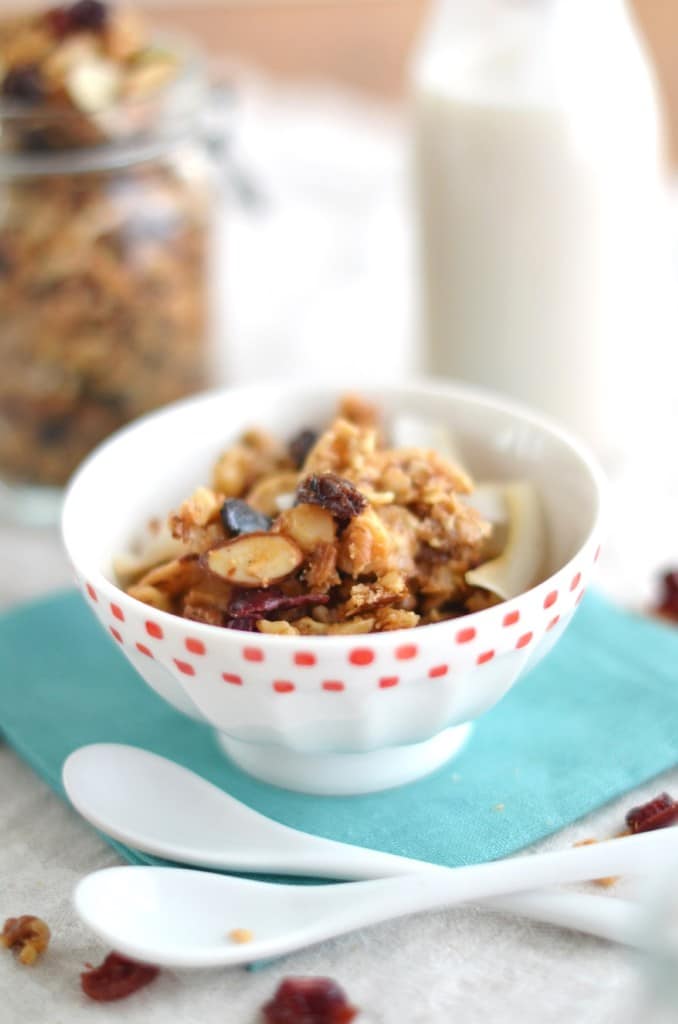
(540, 192)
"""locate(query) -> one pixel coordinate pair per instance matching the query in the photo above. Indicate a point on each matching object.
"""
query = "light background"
(361, 43)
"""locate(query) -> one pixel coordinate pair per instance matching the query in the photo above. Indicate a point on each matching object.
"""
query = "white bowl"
(332, 714)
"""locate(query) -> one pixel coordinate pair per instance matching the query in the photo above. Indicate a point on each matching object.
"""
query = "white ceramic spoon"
(181, 918)
(157, 806)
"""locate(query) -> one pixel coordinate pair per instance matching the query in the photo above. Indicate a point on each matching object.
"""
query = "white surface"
(464, 965)
(177, 917)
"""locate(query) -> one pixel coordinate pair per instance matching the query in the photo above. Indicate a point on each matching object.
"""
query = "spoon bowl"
(180, 918)
(162, 808)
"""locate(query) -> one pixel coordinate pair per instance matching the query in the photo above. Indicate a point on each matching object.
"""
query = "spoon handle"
(376, 901)
(592, 913)
(616, 920)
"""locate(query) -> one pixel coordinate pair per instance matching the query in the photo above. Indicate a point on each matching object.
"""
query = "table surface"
(464, 965)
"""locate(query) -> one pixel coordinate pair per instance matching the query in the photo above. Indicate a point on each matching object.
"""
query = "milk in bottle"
(540, 192)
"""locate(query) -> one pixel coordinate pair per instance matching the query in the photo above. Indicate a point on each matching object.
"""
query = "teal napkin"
(594, 720)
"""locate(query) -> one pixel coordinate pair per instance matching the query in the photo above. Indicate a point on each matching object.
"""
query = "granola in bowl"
(330, 533)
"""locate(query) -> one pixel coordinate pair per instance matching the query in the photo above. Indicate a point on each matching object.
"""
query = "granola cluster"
(64, 70)
(103, 253)
(340, 534)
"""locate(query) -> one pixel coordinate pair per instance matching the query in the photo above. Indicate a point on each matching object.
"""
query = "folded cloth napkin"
(595, 719)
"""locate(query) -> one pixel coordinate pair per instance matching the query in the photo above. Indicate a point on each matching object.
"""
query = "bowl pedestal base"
(345, 774)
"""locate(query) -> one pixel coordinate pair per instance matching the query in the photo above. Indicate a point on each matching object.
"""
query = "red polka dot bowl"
(338, 714)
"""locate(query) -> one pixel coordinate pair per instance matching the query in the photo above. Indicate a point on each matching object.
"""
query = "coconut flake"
(518, 566)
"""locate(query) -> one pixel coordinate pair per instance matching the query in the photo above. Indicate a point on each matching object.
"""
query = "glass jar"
(104, 277)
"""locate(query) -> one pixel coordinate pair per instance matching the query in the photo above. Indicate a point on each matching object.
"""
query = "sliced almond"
(264, 495)
(174, 577)
(156, 548)
(308, 525)
(255, 559)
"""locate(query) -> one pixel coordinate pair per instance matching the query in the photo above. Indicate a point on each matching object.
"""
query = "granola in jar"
(355, 537)
(104, 243)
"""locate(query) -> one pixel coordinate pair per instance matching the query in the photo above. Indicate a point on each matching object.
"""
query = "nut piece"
(366, 546)
(151, 596)
(93, 86)
(30, 934)
(241, 935)
(255, 559)
(264, 495)
(308, 525)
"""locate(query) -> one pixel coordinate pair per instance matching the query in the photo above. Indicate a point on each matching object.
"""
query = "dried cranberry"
(239, 517)
(23, 82)
(332, 492)
(309, 1001)
(246, 603)
(88, 15)
(668, 603)
(300, 446)
(116, 978)
(58, 21)
(657, 813)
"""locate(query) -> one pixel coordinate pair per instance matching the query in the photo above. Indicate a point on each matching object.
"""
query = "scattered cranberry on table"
(667, 606)
(116, 978)
(658, 813)
(309, 1001)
